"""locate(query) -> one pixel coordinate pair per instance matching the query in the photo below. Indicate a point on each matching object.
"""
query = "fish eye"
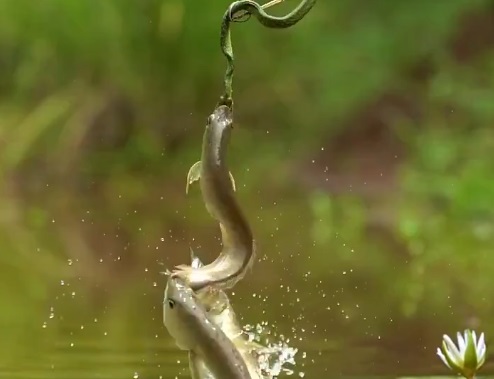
(171, 303)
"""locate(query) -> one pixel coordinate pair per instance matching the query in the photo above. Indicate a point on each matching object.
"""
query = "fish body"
(192, 328)
(218, 192)
(220, 311)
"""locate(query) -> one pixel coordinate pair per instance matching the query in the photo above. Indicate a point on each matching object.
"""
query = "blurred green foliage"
(102, 106)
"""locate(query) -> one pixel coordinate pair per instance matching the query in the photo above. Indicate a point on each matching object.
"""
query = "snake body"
(240, 8)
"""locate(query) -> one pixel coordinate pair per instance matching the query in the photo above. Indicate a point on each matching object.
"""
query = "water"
(78, 307)
(160, 359)
(123, 337)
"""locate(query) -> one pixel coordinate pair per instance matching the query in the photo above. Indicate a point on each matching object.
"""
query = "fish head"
(182, 313)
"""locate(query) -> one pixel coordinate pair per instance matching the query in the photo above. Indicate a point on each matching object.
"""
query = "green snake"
(237, 10)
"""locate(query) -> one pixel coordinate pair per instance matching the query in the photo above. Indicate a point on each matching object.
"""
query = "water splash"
(276, 356)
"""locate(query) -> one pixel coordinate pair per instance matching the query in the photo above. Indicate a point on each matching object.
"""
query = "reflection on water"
(96, 311)
(160, 359)
(122, 336)
(126, 341)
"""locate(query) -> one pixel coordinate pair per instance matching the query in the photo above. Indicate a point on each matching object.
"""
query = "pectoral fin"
(193, 175)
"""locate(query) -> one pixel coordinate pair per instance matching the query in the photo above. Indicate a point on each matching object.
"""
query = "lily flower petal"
(468, 356)
(481, 343)
(455, 364)
(481, 351)
(462, 343)
(474, 338)
(451, 350)
(443, 358)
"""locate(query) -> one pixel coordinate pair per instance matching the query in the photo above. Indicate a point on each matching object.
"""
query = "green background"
(362, 156)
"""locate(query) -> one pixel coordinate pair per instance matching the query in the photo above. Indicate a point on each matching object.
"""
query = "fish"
(218, 193)
(188, 322)
(221, 312)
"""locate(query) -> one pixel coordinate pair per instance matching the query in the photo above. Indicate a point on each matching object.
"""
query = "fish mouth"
(177, 287)
(223, 115)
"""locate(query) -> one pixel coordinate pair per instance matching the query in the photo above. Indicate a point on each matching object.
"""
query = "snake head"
(225, 100)
(241, 16)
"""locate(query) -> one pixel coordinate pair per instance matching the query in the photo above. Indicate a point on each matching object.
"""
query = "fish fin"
(182, 268)
(196, 262)
(232, 179)
(193, 175)
(197, 367)
(183, 272)
(166, 272)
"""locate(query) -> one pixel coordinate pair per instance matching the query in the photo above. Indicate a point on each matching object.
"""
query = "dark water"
(79, 306)
(124, 338)
(159, 358)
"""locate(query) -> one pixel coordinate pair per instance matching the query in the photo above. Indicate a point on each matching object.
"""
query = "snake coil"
(235, 12)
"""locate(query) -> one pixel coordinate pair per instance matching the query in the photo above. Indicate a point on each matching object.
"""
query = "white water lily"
(466, 358)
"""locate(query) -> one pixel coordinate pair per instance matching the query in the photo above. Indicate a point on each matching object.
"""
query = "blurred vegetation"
(102, 107)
